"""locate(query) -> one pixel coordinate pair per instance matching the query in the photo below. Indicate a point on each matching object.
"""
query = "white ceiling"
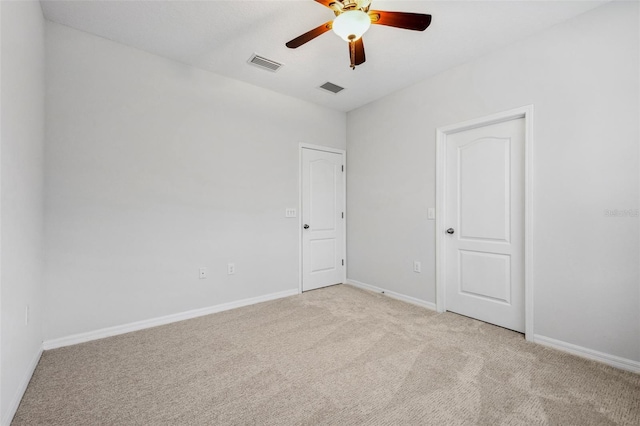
(220, 36)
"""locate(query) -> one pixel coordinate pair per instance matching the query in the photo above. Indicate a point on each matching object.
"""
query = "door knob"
(306, 226)
(450, 231)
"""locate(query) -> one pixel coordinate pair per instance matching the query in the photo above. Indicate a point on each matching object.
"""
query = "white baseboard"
(17, 397)
(612, 360)
(393, 294)
(154, 322)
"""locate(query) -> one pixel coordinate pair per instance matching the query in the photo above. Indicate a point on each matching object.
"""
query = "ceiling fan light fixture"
(351, 25)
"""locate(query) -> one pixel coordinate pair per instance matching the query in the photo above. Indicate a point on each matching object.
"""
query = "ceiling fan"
(353, 19)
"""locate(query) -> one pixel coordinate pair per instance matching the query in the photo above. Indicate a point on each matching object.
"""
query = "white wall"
(154, 169)
(582, 77)
(21, 212)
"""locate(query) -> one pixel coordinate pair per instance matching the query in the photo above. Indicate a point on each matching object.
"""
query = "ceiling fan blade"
(326, 2)
(359, 52)
(405, 20)
(356, 53)
(310, 35)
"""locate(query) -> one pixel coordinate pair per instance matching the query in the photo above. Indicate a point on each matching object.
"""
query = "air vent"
(264, 63)
(330, 87)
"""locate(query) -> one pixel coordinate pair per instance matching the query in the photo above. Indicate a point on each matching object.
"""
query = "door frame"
(343, 153)
(525, 112)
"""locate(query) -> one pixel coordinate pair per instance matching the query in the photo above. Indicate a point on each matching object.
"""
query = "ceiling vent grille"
(264, 63)
(330, 87)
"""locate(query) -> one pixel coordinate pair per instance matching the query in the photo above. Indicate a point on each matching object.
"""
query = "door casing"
(300, 224)
(525, 112)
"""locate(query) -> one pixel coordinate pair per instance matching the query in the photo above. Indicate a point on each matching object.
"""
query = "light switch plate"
(290, 213)
(431, 213)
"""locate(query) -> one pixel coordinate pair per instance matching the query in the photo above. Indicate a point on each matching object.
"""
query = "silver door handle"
(450, 231)
(306, 226)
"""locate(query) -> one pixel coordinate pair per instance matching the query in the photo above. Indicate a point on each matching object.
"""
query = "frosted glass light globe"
(351, 25)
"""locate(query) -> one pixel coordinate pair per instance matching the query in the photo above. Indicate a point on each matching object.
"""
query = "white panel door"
(323, 232)
(484, 220)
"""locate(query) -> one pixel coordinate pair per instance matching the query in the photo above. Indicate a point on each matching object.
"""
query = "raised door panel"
(323, 255)
(322, 174)
(484, 193)
(486, 275)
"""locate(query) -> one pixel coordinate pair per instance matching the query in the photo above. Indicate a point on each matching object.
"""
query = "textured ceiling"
(220, 36)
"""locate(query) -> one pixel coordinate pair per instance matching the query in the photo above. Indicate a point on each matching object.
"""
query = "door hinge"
(343, 215)
(342, 262)
(343, 167)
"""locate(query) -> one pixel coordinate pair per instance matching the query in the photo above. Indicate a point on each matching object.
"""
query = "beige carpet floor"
(336, 356)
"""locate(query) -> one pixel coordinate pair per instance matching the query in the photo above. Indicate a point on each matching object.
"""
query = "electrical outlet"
(203, 273)
(26, 315)
(231, 268)
(417, 267)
